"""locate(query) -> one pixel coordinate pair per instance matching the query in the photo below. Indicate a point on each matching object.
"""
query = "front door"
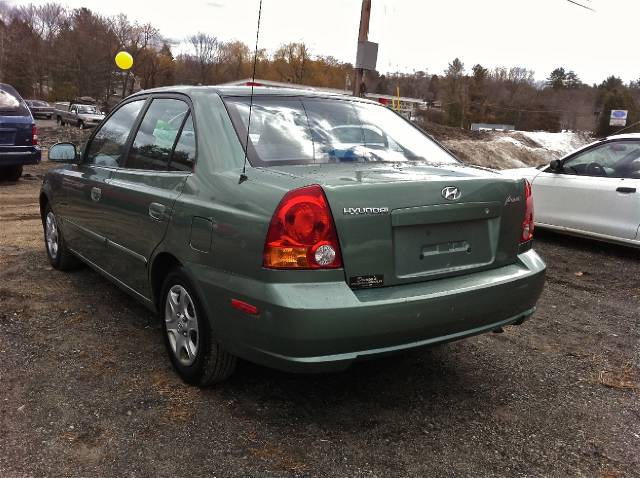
(83, 213)
(595, 192)
(141, 193)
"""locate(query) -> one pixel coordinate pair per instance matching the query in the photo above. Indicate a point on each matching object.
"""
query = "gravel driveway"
(86, 389)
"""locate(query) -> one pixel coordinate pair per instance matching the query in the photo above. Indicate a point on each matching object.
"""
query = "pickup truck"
(82, 116)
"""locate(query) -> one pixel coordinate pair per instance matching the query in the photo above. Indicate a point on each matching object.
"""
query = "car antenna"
(243, 175)
(624, 129)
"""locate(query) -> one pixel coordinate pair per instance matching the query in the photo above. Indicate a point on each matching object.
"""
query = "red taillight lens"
(34, 135)
(302, 234)
(527, 224)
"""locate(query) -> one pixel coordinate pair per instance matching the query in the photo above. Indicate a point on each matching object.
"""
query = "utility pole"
(362, 37)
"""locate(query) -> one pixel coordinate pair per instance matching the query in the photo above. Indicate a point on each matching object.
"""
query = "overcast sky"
(417, 34)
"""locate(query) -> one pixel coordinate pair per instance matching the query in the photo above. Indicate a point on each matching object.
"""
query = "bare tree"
(207, 53)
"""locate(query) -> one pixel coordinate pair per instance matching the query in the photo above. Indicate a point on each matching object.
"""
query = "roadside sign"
(618, 118)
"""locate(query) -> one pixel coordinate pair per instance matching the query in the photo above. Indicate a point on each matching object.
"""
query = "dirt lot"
(87, 390)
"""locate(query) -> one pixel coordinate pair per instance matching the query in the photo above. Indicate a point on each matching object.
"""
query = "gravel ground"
(87, 389)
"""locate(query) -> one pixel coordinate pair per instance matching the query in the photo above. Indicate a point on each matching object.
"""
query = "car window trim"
(138, 122)
(104, 121)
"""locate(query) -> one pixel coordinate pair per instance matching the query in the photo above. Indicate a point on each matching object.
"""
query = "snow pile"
(516, 149)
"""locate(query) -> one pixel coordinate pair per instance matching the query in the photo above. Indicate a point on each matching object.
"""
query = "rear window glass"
(300, 130)
(11, 103)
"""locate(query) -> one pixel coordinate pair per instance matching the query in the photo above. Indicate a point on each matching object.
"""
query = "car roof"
(247, 91)
(623, 136)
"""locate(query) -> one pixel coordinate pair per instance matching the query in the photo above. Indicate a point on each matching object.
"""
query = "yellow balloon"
(124, 60)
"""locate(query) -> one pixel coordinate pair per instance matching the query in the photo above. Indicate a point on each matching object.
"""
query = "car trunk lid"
(395, 226)
(15, 130)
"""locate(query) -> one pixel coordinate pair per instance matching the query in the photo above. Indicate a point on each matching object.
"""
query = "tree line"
(55, 53)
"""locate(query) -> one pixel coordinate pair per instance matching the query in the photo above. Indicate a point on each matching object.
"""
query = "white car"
(594, 191)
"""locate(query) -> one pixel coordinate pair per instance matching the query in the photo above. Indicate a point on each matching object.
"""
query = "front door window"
(108, 145)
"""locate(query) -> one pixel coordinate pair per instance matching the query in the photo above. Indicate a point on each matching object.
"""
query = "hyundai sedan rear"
(297, 230)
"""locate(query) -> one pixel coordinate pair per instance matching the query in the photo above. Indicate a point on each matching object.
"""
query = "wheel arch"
(44, 201)
(162, 264)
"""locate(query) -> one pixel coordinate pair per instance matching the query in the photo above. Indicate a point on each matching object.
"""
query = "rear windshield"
(88, 109)
(38, 103)
(11, 103)
(300, 130)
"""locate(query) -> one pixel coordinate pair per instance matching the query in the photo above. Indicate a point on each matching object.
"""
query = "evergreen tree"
(557, 79)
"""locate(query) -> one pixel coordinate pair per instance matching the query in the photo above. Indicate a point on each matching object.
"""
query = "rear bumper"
(19, 156)
(327, 326)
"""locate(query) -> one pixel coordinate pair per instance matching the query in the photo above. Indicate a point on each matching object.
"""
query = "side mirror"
(555, 165)
(63, 153)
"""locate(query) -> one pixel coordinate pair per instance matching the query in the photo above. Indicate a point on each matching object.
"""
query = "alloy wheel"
(181, 323)
(51, 235)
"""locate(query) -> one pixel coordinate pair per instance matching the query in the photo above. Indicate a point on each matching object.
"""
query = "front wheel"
(81, 124)
(188, 335)
(59, 255)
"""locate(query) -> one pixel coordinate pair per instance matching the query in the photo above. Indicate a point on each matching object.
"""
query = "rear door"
(82, 207)
(595, 192)
(142, 191)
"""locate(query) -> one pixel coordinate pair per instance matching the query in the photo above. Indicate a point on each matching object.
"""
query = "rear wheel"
(80, 124)
(10, 173)
(59, 121)
(188, 335)
(59, 256)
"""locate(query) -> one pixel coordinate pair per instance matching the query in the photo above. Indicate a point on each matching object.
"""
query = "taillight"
(302, 234)
(527, 224)
(34, 135)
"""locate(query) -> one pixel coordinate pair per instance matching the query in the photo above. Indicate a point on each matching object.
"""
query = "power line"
(581, 5)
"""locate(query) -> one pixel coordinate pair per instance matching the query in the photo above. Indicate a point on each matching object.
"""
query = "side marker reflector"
(244, 307)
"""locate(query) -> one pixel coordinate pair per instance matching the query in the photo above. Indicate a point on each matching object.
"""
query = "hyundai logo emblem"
(451, 193)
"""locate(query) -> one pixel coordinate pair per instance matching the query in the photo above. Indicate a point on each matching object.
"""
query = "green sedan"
(295, 229)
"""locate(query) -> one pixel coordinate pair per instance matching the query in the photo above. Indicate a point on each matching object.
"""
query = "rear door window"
(11, 103)
(156, 136)
(184, 154)
(108, 145)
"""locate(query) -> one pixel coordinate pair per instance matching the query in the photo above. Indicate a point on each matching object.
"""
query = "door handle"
(157, 211)
(96, 194)
(626, 190)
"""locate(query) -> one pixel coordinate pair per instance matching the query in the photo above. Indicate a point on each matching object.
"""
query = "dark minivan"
(18, 134)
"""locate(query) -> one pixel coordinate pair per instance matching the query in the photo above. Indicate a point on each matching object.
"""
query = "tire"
(59, 121)
(191, 344)
(10, 173)
(80, 124)
(59, 255)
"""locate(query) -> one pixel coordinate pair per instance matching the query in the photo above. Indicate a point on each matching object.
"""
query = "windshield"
(88, 109)
(287, 130)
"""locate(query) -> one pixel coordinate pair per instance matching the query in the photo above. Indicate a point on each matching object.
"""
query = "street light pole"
(363, 35)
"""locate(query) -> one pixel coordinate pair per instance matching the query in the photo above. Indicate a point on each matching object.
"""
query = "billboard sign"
(618, 118)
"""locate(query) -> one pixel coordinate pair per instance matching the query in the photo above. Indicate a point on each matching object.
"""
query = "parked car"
(303, 262)
(592, 192)
(18, 134)
(80, 115)
(40, 109)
